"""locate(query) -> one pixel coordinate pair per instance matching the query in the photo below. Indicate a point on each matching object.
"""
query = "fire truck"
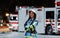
(13, 21)
(48, 18)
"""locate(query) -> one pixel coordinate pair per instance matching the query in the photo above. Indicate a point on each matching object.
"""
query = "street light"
(7, 14)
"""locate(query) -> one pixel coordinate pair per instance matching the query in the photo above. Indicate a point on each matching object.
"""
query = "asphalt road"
(21, 35)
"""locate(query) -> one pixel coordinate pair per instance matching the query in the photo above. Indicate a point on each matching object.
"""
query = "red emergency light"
(58, 3)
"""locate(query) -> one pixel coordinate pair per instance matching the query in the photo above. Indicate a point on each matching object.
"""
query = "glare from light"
(7, 14)
(1, 24)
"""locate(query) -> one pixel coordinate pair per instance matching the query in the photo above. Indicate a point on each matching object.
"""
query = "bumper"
(12, 28)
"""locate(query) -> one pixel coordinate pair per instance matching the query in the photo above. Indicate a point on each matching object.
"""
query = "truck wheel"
(49, 30)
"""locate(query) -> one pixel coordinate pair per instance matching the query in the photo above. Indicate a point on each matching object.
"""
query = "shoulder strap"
(32, 22)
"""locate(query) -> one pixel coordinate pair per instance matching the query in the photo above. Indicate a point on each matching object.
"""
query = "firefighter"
(30, 24)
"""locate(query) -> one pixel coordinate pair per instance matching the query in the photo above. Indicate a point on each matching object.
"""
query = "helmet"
(32, 10)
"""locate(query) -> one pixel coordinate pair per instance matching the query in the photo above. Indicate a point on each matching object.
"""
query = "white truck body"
(41, 16)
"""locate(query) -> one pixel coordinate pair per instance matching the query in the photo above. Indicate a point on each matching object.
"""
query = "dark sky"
(47, 3)
(9, 5)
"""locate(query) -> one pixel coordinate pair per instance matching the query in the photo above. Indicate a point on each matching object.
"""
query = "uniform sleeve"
(35, 23)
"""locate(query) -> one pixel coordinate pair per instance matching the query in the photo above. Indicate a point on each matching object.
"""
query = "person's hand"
(31, 26)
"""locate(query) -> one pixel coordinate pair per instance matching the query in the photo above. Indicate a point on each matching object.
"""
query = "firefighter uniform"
(31, 28)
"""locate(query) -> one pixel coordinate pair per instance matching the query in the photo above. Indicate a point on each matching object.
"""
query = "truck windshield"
(58, 14)
(13, 18)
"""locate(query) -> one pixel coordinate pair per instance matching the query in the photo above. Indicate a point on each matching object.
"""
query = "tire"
(49, 30)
